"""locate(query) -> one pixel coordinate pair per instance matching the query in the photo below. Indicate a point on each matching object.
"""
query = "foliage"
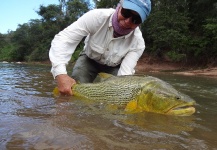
(106, 3)
(5, 52)
(175, 56)
(2, 40)
(77, 52)
(75, 9)
(176, 30)
(50, 13)
(167, 32)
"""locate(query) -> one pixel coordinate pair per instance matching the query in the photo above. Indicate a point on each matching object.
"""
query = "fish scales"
(113, 90)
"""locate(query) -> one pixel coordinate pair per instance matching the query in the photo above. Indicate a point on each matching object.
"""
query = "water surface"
(32, 118)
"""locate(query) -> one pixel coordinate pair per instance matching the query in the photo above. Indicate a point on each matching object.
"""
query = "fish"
(136, 94)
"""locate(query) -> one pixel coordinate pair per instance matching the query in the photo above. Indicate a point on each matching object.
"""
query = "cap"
(142, 7)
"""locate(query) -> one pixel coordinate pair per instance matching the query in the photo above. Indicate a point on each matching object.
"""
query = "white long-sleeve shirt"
(100, 44)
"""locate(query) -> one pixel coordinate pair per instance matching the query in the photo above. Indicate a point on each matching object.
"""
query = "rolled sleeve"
(129, 62)
(60, 69)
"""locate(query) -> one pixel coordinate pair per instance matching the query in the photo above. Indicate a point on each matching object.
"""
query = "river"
(32, 118)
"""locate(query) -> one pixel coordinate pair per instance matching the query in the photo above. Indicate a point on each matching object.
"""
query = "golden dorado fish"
(136, 94)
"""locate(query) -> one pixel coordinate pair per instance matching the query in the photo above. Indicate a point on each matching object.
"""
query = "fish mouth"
(183, 110)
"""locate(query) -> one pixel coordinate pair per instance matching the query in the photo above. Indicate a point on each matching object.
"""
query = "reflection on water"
(32, 118)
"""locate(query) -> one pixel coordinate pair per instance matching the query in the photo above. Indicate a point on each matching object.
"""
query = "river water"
(32, 118)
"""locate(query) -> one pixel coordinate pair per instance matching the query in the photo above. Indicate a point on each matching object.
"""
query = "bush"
(5, 52)
(175, 56)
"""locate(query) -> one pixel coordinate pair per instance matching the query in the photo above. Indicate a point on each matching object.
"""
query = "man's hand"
(65, 84)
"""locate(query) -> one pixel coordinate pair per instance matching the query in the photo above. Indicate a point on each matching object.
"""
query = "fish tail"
(56, 91)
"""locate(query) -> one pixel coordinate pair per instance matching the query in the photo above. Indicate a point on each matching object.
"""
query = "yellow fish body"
(137, 94)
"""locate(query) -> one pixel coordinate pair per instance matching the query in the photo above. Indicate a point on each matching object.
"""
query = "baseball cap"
(142, 7)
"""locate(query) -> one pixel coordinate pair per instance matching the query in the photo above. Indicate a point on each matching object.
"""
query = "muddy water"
(32, 118)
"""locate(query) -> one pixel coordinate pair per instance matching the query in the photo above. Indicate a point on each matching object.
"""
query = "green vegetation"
(183, 30)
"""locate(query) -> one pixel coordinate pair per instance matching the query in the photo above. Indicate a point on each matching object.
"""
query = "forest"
(183, 31)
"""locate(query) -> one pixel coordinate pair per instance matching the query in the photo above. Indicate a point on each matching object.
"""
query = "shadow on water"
(32, 118)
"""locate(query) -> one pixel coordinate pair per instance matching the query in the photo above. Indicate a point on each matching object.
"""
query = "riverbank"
(150, 64)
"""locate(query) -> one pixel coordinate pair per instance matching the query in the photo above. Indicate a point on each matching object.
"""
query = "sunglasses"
(127, 13)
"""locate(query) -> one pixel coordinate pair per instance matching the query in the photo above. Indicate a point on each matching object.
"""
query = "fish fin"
(131, 106)
(56, 91)
(104, 75)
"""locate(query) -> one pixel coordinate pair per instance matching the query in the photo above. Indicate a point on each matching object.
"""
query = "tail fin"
(56, 91)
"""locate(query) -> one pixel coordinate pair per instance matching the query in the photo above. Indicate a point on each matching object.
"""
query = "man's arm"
(129, 62)
(62, 48)
(65, 42)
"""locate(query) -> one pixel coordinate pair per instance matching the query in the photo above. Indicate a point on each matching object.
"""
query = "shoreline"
(150, 64)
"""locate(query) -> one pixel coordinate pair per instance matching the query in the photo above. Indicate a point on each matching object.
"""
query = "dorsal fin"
(104, 75)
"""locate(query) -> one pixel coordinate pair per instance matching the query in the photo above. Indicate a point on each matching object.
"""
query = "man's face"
(128, 19)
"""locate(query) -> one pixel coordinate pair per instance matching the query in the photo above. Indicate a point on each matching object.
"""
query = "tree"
(203, 14)
(50, 13)
(63, 6)
(75, 9)
(2, 41)
(166, 29)
(106, 3)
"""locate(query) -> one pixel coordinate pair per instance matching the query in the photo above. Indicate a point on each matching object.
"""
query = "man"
(113, 44)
